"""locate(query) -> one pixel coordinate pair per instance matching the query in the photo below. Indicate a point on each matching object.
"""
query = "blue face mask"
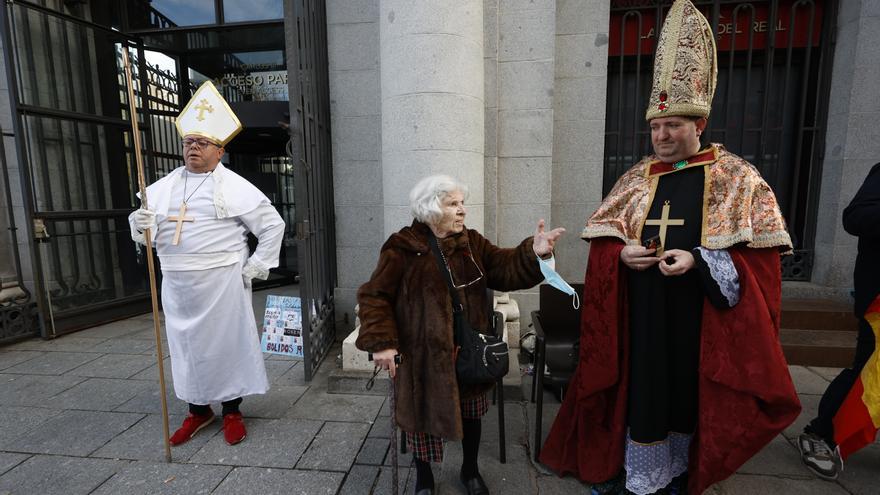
(554, 279)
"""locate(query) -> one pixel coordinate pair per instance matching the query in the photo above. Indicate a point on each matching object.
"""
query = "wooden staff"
(148, 236)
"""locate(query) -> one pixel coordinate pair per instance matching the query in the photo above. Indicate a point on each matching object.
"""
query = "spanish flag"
(858, 419)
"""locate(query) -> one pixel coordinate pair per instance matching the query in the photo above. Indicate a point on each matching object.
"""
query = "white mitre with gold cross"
(208, 115)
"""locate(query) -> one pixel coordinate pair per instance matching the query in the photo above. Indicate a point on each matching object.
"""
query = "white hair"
(425, 197)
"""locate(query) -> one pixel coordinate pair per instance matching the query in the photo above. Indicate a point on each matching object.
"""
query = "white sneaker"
(819, 457)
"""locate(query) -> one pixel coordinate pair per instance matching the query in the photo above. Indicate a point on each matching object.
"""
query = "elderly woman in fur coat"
(406, 308)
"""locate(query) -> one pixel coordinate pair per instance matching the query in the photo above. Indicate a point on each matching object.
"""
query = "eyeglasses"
(451, 276)
(202, 143)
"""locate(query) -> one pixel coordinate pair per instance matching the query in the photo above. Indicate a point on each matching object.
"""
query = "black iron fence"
(306, 28)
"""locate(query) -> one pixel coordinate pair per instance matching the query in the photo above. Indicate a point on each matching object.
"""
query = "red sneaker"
(233, 428)
(191, 425)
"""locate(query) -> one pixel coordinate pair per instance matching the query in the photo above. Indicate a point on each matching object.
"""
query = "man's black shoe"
(475, 485)
(425, 491)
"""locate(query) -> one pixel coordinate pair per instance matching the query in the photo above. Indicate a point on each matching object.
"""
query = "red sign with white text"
(635, 31)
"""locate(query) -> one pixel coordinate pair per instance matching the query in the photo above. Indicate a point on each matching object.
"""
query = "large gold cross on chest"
(180, 218)
(203, 107)
(664, 221)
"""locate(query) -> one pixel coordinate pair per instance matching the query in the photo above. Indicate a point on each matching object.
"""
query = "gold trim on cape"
(738, 206)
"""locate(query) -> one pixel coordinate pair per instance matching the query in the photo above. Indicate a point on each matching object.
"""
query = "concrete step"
(807, 347)
(818, 314)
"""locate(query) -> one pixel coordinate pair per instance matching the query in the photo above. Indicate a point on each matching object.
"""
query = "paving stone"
(386, 408)
(826, 373)
(152, 373)
(293, 377)
(145, 441)
(147, 334)
(273, 404)
(806, 381)
(809, 410)
(32, 390)
(70, 343)
(373, 451)
(53, 363)
(114, 366)
(335, 447)
(276, 369)
(554, 485)
(75, 433)
(744, 484)
(514, 427)
(383, 484)
(316, 404)
(360, 481)
(16, 420)
(862, 471)
(268, 481)
(98, 394)
(500, 478)
(142, 478)
(381, 428)
(269, 443)
(778, 458)
(51, 475)
(116, 329)
(124, 346)
(147, 401)
(11, 358)
(9, 461)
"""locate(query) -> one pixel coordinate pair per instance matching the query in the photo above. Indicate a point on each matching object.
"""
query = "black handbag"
(481, 358)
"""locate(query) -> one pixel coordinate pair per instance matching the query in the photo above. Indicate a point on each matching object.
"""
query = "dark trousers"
(229, 406)
(839, 387)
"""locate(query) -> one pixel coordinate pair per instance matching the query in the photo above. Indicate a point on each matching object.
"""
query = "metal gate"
(74, 149)
(305, 27)
(770, 106)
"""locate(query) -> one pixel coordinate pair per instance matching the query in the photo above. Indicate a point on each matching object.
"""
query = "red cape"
(746, 396)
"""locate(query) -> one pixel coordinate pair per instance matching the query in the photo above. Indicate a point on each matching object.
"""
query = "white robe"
(209, 317)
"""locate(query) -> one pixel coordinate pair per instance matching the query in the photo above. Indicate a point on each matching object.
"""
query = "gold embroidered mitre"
(208, 115)
(685, 66)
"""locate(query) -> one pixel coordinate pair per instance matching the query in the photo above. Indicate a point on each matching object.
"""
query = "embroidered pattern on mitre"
(685, 65)
(207, 114)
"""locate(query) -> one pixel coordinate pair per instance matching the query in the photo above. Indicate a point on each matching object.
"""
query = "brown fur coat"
(406, 306)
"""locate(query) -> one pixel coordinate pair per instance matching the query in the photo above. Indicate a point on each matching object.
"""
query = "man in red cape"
(681, 376)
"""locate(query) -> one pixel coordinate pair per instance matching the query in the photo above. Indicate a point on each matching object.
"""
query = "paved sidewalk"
(79, 415)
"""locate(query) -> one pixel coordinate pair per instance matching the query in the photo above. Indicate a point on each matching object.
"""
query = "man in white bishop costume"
(199, 217)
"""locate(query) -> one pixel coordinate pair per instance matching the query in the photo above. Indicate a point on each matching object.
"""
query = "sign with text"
(282, 326)
(634, 29)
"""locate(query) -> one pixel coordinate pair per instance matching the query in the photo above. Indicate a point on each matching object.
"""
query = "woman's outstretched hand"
(544, 241)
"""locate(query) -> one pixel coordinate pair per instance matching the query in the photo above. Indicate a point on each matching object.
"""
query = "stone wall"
(852, 143)
(403, 79)
(355, 116)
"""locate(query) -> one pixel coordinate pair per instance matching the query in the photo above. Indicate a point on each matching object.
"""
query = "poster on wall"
(282, 326)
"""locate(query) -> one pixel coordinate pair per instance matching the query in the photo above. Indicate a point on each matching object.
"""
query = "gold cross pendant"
(664, 221)
(180, 218)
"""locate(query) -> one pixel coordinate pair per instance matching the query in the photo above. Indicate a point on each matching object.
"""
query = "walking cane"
(392, 397)
(136, 142)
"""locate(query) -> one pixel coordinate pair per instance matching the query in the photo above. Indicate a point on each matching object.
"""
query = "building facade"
(538, 105)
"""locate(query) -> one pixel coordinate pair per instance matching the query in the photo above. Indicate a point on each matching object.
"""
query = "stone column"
(852, 146)
(431, 74)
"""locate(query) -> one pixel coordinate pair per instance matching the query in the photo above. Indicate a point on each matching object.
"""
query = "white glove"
(253, 269)
(144, 219)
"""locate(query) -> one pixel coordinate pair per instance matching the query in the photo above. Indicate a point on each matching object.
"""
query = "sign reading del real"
(797, 24)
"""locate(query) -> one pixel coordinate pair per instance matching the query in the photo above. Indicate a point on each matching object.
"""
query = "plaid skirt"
(427, 447)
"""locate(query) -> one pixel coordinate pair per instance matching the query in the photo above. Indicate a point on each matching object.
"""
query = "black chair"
(557, 334)
(496, 321)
